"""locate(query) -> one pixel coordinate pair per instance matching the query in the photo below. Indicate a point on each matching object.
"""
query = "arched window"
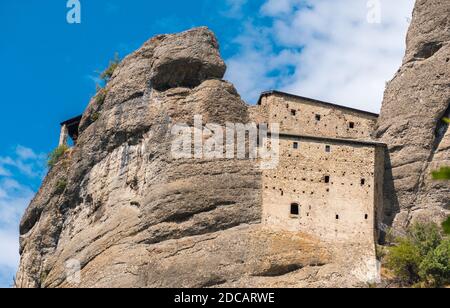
(295, 210)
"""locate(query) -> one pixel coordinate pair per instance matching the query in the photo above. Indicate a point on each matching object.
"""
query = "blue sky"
(326, 49)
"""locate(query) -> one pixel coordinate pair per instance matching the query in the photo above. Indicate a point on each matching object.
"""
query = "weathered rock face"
(411, 123)
(131, 215)
(186, 59)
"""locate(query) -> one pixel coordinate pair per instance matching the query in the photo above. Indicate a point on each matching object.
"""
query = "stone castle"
(329, 180)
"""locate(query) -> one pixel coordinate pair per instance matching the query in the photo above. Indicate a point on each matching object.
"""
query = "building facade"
(329, 180)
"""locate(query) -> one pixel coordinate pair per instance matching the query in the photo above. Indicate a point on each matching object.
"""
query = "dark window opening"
(327, 179)
(366, 217)
(296, 145)
(328, 149)
(318, 117)
(295, 209)
(258, 140)
(69, 131)
(337, 217)
(293, 112)
(351, 125)
(363, 181)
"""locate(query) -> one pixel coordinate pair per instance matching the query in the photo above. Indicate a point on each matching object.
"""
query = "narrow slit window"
(327, 179)
(337, 217)
(366, 217)
(351, 125)
(363, 182)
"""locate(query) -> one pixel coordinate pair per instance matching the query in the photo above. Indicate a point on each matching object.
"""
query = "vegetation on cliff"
(109, 71)
(421, 257)
(56, 154)
(442, 174)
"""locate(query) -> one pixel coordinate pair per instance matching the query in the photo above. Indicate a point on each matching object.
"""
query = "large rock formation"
(411, 123)
(130, 215)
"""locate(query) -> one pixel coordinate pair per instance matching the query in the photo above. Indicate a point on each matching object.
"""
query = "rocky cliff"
(411, 123)
(126, 213)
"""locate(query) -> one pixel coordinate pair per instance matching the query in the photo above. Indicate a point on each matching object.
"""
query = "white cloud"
(25, 153)
(4, 172)
(234, 8)
(96, 80)
(329, 48)
(14, 198)
(25, 160)
(9, 247)
(279, 7)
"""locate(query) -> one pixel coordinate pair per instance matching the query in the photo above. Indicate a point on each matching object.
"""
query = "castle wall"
(304, 117)
(380, 155)
(344, 209)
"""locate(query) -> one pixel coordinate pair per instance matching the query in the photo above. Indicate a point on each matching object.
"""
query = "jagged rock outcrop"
(411, 123)
(130, 215)
(186, 60)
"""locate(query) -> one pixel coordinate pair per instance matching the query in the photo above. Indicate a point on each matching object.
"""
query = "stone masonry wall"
(338, 191)
(299, 116)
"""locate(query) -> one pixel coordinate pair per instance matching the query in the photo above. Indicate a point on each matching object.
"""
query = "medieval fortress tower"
(329, 181)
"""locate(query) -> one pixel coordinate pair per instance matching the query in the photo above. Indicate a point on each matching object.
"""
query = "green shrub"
(108, 73)
(404, 261)
(442, 174)
(421, 257)
(426, 236)
(390, 237)
(61, 186)
(446, 226)
(435, 268)
(56, 155)
(100, 97)
(380, 252)
(95, 116)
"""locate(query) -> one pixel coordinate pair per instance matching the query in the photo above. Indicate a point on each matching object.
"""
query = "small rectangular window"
(295, 145)
(328, 149)
(293, 112)
(351, 125)
(363, 181)
(318, 117)
(327, 179)
(337, 217)
(295, 209)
